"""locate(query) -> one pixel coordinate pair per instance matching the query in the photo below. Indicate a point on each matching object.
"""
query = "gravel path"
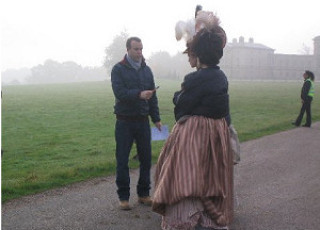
(277, 186)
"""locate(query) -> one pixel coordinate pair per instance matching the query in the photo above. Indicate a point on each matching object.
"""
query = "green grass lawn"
(53, 135)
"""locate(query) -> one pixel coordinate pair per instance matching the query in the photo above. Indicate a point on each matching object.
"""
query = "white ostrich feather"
(185, 29)
(206, 19)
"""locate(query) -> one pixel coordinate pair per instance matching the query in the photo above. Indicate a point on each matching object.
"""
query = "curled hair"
(208, 46)
(310, 75)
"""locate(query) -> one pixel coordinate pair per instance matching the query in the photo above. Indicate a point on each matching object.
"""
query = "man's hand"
(158, 125)
(146, 94)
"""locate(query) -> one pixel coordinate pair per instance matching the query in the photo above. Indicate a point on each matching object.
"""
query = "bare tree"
(116, 50)
(305, 50)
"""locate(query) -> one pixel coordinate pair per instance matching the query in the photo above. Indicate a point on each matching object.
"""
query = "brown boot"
(146, 200)
(124, 205)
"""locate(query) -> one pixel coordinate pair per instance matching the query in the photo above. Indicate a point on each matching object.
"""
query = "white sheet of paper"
(156, 135)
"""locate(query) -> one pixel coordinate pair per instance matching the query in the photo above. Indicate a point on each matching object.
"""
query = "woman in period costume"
(194, 173)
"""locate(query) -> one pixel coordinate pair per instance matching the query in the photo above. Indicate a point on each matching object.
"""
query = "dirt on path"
(277, 186)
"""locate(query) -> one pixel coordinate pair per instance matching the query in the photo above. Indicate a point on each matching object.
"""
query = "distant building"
(249, 61)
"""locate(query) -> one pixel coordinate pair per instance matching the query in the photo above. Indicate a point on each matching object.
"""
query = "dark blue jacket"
(205, 93)
(127, 83)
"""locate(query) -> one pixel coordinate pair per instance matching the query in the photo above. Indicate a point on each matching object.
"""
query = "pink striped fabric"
(196, 162)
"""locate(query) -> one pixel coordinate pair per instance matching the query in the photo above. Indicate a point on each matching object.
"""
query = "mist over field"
(242, 60)
(253, 65)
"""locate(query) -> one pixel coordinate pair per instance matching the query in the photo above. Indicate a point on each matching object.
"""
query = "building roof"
(251, 44)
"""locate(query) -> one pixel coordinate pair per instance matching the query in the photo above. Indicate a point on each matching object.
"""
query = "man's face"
(305, 76)
(135, 52)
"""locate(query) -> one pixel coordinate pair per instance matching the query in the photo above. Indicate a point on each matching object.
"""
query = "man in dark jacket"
(135, 100)
(307, 93)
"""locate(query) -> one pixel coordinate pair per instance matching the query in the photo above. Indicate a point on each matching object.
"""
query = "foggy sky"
(36, 30)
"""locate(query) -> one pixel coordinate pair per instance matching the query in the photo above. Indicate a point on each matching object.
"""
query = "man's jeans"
(126, 132)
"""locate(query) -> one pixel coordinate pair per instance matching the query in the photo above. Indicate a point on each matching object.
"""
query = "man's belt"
(131, 118)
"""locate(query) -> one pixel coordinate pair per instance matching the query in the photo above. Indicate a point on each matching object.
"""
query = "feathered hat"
(203, 19)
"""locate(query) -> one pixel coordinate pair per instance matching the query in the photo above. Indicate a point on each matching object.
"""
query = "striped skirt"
(194, 175)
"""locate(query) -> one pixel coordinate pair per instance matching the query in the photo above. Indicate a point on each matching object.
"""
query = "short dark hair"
(128, 44)
(207, 46)
(310, 74)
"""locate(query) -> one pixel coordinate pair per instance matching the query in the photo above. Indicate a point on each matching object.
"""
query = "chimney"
(241, 40)
(251, 40)
(316, 46)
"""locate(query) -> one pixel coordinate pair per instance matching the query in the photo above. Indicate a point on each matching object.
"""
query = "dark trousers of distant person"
(126, 132)
(306, 107)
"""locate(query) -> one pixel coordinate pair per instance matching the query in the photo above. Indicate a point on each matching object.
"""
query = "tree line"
(53, 72)
(162, 64)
